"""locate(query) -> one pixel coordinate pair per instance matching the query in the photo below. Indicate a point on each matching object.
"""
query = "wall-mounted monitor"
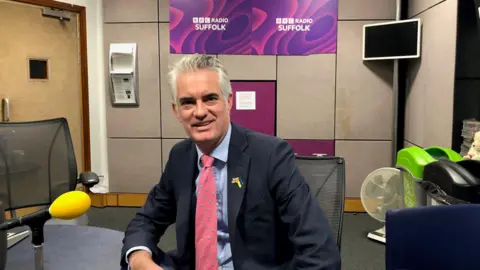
(392, 40)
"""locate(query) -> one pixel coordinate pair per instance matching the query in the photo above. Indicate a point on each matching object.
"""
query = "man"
(235, 196)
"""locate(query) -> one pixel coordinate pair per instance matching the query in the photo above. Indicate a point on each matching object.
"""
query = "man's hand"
(142, 260)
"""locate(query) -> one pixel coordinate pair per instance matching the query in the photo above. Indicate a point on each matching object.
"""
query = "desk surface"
(70, 247)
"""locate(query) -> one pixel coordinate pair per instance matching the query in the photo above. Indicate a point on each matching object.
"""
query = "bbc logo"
(201, 19)
(284, 20)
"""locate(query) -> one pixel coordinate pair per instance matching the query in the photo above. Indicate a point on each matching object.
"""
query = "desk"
(70, 247)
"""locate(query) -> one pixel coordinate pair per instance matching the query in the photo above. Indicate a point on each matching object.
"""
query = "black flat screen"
(391, 40)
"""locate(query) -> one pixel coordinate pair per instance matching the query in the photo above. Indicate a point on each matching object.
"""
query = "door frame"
(83, 67)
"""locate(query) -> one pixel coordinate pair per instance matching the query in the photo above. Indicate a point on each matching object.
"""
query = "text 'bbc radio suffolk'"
(207, 23)
(294, 24)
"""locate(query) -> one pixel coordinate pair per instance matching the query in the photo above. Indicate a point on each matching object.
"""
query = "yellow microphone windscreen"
(70, 205)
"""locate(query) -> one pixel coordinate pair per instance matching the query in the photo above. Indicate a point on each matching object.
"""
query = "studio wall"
(467, 71)
(335, 103)
(430, 79)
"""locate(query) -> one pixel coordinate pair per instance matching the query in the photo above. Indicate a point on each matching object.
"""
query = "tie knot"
(207, 160)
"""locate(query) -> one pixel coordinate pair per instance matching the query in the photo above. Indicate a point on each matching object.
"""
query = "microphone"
(69, 205)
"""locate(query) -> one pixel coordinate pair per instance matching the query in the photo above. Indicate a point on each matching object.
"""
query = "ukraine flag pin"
(237, 181)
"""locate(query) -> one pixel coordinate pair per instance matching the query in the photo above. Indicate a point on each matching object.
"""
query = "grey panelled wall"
(428, 114)
(167, 144)
(311, 84)
(250, 67)
(360, 83)
(135, 164)
(171, 128)
(145, 11)
(324, 97)
(417, 6)
(361, 158)
(362, 95)
(409, 144)
(366, 9)
(163, 11)
(124, 122)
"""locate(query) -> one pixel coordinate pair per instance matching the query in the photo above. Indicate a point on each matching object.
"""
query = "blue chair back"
(433, 237)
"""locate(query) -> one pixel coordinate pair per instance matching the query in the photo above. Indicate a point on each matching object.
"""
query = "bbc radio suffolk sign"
(257, 27)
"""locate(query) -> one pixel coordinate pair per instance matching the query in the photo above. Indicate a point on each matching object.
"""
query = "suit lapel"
(238, 164)
(186, 204)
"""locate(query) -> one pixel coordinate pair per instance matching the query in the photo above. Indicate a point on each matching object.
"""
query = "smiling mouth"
(202, 124)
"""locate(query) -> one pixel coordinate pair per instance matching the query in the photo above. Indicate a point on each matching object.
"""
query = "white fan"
(381, 191)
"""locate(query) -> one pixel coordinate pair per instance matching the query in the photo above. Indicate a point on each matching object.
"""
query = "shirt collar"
(221, 151)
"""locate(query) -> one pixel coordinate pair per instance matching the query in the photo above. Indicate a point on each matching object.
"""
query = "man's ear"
(230, 101)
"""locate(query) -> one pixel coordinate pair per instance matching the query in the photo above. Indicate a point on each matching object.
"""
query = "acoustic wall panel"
(364, 89)
(417, 6)
(261, 118)
(311, 147)
(171, 128)
(367, 9)
(415, 103)
(115, 11)
(250, 67)
(135, 165)
(144, 120)
(163, 10)
(306, 96)
(429, 102)
(167, 145)
(409, 144)
(362, 158)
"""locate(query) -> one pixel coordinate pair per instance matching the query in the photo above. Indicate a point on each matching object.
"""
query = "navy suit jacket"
(274, 221)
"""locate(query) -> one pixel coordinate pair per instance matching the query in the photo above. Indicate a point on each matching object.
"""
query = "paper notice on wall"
(123, 88)
(245, 100)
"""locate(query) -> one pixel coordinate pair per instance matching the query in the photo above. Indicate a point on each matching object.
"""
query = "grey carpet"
(358, 252)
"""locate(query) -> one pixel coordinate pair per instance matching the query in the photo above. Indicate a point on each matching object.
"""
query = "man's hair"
(194, 62)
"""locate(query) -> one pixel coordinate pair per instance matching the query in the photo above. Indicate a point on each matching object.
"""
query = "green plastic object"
(412, 160)
(439, 152)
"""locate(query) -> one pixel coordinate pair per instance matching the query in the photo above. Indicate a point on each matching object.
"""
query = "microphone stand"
(37, 241)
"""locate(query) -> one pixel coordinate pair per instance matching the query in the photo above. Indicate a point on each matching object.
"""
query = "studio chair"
(325, 176)
(441, 237)
(37, 164)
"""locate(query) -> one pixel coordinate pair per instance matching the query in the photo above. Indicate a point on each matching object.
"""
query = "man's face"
(202, 108)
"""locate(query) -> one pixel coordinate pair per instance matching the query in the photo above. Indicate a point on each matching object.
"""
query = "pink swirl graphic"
(210, 26)
(260, 27)
(298, 27)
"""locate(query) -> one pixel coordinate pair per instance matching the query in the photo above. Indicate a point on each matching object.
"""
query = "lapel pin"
(237, 181)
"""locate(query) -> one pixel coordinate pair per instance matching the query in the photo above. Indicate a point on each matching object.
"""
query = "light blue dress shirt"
(220, 170)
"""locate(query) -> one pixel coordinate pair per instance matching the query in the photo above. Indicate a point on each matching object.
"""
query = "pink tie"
(206, 218)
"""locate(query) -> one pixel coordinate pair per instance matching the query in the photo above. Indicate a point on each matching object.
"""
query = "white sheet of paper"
(122, 62)
(122, 57)
(245, 100)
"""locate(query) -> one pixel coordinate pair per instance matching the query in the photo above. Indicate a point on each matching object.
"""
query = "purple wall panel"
(309, 147)
(262, 119)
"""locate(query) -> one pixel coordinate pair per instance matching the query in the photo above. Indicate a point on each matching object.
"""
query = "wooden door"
(40, 68)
